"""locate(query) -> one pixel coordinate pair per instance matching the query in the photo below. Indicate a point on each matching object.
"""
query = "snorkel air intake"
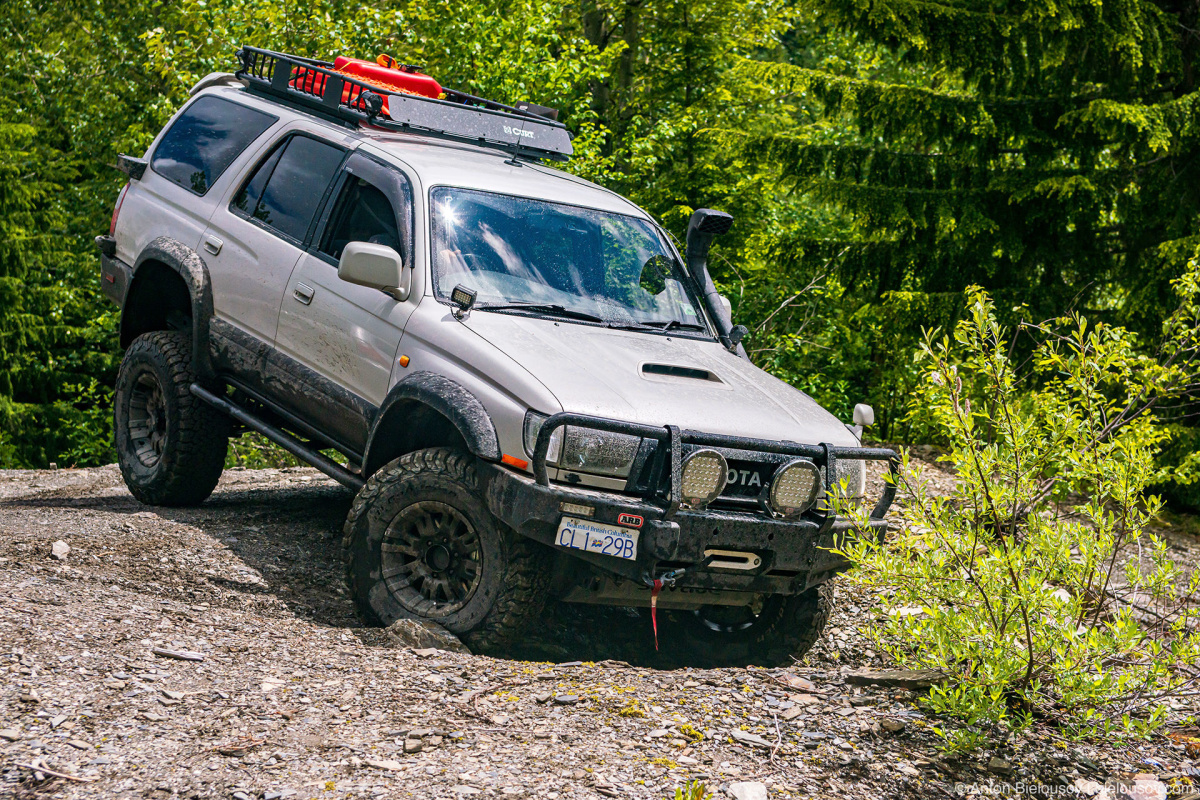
(702, 227)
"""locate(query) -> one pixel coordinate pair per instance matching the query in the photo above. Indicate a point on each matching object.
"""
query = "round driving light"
(703, 477)
(794, 488)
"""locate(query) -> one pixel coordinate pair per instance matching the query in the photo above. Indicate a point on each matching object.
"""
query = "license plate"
(596, 537)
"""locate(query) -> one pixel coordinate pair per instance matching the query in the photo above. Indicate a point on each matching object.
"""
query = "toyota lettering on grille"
(747, 479)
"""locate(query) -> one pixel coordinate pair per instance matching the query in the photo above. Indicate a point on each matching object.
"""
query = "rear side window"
(205, 139)
(287, 188)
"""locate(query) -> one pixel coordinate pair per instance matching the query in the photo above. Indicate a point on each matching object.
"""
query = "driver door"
(345, 333)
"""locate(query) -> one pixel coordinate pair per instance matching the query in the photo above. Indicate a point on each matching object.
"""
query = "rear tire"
(170, 444)
(782, 631)
(420, 543)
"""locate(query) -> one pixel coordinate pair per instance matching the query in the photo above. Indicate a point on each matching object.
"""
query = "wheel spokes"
(431, 555)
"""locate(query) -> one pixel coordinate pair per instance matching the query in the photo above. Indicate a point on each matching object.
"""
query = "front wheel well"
(408, 426)
(158, 300)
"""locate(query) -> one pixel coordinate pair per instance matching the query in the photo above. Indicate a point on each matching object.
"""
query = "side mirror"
(725, 304)
(377, 266)
(864, 415)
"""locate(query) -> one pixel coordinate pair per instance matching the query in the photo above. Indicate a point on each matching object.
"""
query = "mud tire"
(510, 590)
(189, 439)
(785, 629)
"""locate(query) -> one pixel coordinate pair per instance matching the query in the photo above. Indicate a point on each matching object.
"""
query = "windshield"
(558, 260)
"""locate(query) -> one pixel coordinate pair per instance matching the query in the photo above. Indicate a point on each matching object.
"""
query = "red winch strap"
(654, 609)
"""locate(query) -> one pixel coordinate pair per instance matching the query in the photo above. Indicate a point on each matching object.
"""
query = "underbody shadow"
(291, 537)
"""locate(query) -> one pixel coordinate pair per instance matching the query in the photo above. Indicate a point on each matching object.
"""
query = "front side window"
(362, 214)
(550, 259)
(205, 140)
(287, 188)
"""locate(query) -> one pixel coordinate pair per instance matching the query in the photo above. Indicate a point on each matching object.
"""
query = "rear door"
(254, 239)
(346, 333)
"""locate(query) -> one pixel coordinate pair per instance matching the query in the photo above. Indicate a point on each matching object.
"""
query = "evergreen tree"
(1045, 152)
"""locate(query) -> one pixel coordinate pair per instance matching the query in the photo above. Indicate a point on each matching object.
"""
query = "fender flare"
(191, 267)
(450, 399)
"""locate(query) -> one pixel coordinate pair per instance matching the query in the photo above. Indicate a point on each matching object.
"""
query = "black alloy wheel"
(432, 550)
(147, 419)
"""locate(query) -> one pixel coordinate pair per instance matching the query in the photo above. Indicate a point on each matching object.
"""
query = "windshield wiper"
(545, 308)
(673, 324)
(658, 325)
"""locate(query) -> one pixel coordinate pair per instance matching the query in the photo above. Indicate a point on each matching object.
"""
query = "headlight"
(703, 476)
(585, 449)
(533, 426)
(794, 488)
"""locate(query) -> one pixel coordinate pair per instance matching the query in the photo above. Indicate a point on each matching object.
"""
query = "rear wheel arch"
(170, 281)
(429, 410)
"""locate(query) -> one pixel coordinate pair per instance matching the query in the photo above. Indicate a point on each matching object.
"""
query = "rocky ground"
(212, 652)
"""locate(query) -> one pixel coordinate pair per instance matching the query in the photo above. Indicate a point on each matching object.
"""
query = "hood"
(658, 380)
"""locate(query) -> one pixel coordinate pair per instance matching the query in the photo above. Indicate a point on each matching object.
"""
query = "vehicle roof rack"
(458, 117)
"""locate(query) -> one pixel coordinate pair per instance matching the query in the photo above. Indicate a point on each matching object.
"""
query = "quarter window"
(205, 139)
(286, 189)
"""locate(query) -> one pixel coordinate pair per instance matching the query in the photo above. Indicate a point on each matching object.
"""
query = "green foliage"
(1043, 152)
(1035, 584)
(878, 159)
(50, 343)
(694, 790)
(255, 451)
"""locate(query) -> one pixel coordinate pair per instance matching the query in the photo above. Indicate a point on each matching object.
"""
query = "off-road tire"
(510, 590)
(187, 457)
(784, 630)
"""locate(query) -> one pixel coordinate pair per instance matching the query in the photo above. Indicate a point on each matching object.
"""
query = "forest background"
(878, 157)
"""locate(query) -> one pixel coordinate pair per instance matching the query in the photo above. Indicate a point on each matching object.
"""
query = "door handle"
(303, 293)
(212, 244)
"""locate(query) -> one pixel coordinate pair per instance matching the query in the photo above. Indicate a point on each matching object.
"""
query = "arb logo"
(630, 520)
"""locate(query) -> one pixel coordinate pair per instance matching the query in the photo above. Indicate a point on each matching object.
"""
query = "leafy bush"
(74, 432)
(694, 790)
(1036, 584)
(255, 451)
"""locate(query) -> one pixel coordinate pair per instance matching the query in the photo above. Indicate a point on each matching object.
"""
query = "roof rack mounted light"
(459, 117)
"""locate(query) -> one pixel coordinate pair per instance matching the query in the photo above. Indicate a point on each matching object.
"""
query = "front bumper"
(794, 553)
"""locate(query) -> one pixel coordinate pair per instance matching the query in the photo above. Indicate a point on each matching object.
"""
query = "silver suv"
(531, 392)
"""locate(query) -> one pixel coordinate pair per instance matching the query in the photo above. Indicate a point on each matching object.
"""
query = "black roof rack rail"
(314, 86)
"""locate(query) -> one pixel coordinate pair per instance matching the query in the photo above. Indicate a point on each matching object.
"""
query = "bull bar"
(667, 465)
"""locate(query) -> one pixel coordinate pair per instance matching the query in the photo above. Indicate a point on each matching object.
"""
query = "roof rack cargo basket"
(315, 86)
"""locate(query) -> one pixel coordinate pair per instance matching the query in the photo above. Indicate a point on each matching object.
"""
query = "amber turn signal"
(513, 461)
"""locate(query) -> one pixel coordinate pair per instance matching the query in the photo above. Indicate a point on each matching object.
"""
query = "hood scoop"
(674, 371)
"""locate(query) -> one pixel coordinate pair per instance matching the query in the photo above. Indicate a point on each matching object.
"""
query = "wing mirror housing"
(726, 306)
(377, 266)
(864, 417)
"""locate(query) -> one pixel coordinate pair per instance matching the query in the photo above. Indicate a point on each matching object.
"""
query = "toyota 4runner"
(533, 394)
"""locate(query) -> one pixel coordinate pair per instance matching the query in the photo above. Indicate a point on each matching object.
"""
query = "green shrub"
(255, 451)
(694, 790)
(1035, 584)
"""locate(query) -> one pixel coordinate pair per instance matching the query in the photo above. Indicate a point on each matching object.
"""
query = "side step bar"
(281, 438)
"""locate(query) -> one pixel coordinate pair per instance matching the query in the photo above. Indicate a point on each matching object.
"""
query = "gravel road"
(212, 652)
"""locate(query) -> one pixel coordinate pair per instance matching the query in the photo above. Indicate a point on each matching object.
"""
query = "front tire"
(775, 634)
(420, 543)
(170, 444)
